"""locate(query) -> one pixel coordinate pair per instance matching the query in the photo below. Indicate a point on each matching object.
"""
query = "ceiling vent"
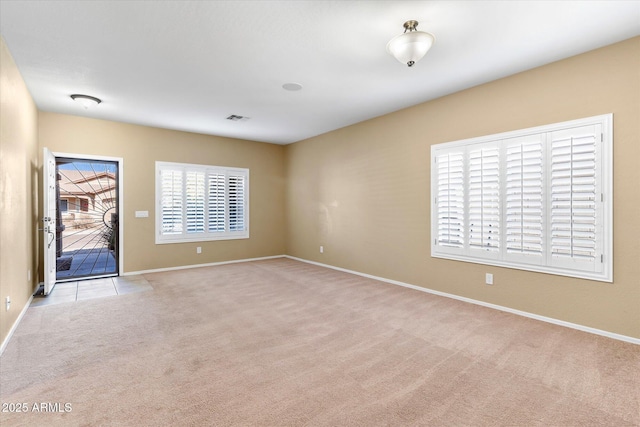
(236, 118)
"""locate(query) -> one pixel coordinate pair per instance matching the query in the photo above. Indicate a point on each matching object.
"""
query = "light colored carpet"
(284, 343)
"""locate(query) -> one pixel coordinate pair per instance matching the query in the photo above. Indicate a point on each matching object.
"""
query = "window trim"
(203, 236)
(605, 163)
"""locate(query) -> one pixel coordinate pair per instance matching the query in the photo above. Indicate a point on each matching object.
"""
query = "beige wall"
(18, 183)
(363, 191)
(140, 147)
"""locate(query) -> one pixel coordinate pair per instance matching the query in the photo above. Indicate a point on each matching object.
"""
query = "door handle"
(47, 229)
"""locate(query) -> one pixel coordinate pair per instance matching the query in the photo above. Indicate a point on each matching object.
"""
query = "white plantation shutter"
(171, 201)
(484, 199)
(195, 201)
(450, 199)
(524, 207)
(217, 202)
(538, 199)
(236, 202)
(575, 198)
(199, 203)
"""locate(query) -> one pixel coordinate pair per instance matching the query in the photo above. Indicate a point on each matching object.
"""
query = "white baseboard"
(582, 328)
(15, 325)
(211, 264)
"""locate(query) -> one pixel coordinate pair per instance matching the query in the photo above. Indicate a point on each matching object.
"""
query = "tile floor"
(93, 288)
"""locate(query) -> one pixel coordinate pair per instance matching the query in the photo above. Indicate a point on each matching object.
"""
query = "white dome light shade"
(86, 101)
(411, 46)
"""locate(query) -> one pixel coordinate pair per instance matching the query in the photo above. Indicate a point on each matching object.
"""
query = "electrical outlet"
(321, 249)
(198, 250)
(8, 303)
(489, 279)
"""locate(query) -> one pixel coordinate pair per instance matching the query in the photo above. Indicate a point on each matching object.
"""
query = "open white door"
(49, 219)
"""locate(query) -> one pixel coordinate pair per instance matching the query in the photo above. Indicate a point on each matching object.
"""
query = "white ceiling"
(187, 65)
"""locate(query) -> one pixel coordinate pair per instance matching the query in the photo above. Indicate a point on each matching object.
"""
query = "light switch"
(142, 214)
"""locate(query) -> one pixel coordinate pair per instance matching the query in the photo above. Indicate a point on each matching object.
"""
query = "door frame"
(120, 162)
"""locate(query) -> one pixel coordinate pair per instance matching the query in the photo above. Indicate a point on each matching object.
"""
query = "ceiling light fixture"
(411, 46)
(86, 100)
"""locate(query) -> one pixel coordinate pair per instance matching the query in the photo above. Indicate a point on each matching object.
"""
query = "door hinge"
(602, 137)
(602, 258)
(602, 197)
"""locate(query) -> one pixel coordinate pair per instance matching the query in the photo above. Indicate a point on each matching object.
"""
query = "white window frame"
(183, 235)
(455, 243)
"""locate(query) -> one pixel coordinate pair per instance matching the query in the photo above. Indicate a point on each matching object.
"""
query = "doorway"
(83, 229)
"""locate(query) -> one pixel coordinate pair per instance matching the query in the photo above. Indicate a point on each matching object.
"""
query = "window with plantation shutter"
(198, 203)
(236, 202)
(574, 197)
(484, 199)
(524, 208)
(171, 201)
(450, 200)
(217, 197)
(194, 190)
(537, 199)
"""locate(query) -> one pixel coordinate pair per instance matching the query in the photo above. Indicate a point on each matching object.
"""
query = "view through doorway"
(87, 219)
